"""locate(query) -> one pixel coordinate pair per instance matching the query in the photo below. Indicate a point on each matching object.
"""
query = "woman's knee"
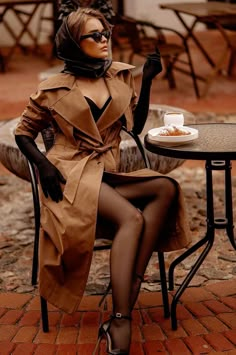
(166, 188)
(137, 217)
(133, 219)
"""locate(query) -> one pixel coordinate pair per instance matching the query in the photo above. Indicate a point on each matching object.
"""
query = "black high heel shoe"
(104, 332)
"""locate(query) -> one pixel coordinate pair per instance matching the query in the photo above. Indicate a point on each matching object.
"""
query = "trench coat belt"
(93, 148)
(102, 149)
(75, 174)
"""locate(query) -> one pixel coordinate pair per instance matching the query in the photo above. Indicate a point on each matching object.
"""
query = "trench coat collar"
(65, 80)
(80, 116)
(116, 67)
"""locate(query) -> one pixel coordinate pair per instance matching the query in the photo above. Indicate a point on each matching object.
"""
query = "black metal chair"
(48, 138)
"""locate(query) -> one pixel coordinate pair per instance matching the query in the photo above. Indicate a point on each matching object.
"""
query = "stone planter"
(15, 162)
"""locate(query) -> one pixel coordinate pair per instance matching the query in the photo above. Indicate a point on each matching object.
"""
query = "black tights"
(135, 240)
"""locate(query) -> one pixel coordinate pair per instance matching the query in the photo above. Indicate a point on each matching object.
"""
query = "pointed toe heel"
(103, 332)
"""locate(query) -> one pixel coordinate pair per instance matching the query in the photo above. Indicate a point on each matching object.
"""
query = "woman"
(87, 104)
(104, 6)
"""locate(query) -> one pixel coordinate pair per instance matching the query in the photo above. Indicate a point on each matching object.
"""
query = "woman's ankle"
(120, 332)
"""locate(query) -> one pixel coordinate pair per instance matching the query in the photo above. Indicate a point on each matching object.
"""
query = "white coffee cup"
(174, 118)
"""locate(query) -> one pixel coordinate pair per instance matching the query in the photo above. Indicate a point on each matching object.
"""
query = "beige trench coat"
(82, 151)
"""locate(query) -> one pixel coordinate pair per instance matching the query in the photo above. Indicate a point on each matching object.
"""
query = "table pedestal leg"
(210, 239)
(212, 224)
(229, 205)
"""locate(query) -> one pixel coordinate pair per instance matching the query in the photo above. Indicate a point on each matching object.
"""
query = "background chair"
(105, 231)
(141, 38)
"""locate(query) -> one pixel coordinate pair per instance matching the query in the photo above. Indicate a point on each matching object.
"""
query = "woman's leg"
(157, 196)
(129, 221)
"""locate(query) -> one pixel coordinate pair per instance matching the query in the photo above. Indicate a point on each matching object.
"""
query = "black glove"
(152, 66)
(50, 176)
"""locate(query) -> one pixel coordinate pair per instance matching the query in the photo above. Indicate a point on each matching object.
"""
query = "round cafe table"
(216, 144)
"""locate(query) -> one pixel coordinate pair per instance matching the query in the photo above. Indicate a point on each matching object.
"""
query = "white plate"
(153, 134)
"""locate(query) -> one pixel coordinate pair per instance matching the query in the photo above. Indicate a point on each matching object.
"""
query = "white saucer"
(153, 135)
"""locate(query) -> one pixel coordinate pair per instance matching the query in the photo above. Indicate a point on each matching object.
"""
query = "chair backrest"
(128, 31)
(138, 32)
(120, 37)
(131, 29)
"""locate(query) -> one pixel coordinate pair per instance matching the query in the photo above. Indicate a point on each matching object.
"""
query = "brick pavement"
(206, 324)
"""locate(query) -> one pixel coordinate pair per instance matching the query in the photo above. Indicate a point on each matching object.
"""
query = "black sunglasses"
(97, 36)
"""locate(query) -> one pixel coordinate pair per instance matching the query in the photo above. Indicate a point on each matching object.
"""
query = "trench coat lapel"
(78, 114)
(117, 105)
(74, 108)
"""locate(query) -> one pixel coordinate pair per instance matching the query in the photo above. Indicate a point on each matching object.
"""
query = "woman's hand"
(50, 177)
(51, 180)
(152, 66)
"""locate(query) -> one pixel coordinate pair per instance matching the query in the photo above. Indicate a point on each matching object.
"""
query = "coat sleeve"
(35, 117)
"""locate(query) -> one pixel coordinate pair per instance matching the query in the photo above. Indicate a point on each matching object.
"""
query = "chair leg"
(34, 186)
(164, 289)
(2, 64)
(232, 60)
(103, 299)
(44, 314)
(193, 75)
(36, 247)
(169, 75)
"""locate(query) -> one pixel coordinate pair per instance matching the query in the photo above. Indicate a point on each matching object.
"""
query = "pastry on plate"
(173, 130)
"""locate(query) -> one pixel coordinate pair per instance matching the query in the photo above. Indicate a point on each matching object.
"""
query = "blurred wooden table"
(24, 16)
(210, 13)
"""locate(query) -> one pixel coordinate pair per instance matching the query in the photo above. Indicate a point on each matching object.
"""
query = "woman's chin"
(104, 56)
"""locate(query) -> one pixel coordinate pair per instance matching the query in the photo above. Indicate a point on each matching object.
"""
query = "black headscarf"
(76, 61)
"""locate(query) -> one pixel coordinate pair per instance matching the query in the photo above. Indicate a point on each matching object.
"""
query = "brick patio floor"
(206, 324)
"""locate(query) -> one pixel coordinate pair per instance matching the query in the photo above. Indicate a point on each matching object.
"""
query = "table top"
(202, 10)
(216, 141)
